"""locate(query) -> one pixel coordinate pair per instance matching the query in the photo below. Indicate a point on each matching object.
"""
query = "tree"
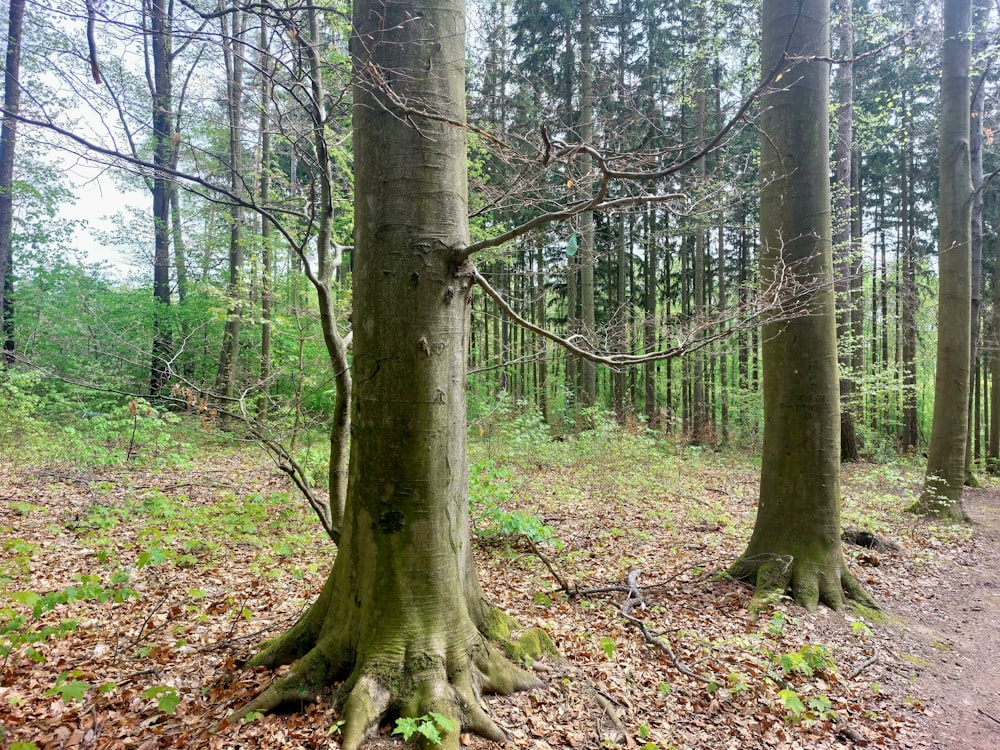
(980, 43)
(8, 139)
(160, 32)
(233, 31)
(402, 620)
(842, 245)
(942, 495)
(796, 539)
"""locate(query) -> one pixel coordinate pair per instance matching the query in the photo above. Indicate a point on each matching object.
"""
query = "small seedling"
(430, 725)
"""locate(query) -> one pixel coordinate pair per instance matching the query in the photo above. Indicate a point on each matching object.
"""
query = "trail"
(952, 632)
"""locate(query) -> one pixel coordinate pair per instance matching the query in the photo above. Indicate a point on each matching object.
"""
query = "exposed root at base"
(809, 584)
(383, 687)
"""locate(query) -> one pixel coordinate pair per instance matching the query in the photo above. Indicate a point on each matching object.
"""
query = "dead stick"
(988, 716)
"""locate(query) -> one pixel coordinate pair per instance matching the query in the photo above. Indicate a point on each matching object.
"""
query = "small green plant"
(608, 646)
(792, 703)
(19, 629)
(430, 726)
(489, 489)
(860, 628)
(166, 697)
(811, 658)
(68, 688)
(777, 626)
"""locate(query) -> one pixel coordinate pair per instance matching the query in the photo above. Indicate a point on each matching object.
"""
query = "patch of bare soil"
(949, 632)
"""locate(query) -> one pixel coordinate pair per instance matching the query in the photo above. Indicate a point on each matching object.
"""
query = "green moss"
(530, 645)
(498, 624)
(870, 613)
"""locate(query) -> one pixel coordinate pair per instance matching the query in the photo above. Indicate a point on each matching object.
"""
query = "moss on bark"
(809, 582)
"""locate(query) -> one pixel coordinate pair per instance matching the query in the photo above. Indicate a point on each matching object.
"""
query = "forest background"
(650, 294)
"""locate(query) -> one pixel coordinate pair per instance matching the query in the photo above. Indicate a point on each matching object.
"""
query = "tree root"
(810, 584)
(399, 680)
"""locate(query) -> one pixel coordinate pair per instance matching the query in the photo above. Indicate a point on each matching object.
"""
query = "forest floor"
(131, 594)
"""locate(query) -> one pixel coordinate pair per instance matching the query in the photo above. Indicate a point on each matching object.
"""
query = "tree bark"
(649, 321)
(942, 495)
(796, 539)
(160, 32)
(588, 371)
(402, 620)
(978, 110)
(8, 140)
(233, 49)
(842, 245)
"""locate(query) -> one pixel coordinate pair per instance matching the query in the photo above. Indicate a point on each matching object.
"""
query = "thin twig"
(534, 548)
(988, 716)
(635, 598)
(864, 665)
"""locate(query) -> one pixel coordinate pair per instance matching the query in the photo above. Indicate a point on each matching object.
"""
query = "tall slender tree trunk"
(978, 110)
(8, 141)
(796, 539)
(161, 35)
(402, 620)
(588, 371)
(910, 434)
(266, 254)
(649, 322)
(993, 452)
(699, 399)
(541, 344)
(842, 245)
(233, 48)
(942, 493)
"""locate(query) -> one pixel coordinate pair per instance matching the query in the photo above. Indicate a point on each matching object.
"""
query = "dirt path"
(950, 634)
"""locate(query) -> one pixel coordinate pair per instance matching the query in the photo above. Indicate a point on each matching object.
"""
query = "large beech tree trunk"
(942, 493)
(402, 620)
(796, 539)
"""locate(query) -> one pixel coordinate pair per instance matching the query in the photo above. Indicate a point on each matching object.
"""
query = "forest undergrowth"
(133, 591)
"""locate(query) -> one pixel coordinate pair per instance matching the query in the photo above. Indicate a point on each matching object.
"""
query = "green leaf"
(406, 726)
(792, 702)
(28, 598)
(166, 697)
(430, 731)
(151, 556)
(69, 690)
(22, 746)
(443, 721)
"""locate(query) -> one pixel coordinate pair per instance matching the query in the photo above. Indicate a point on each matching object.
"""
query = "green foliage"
(811, 658)
(20, 425)
(777, 626)
(67, 688)
(26, 629)
(608, 646)
(792, 703)
(166, 697)
(430, 726)
(489, 490)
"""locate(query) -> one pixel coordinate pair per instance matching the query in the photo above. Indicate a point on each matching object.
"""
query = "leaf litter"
(131, 597)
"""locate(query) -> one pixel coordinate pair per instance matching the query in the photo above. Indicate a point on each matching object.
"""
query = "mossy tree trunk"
(942, 495)
(796, 539)
(401, 620)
